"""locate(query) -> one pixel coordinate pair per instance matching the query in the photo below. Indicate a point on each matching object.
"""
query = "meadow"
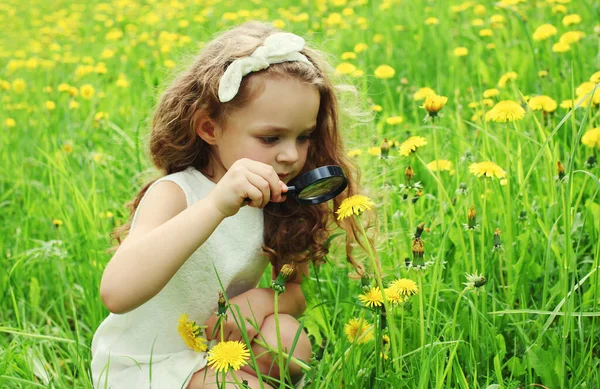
(477, 137)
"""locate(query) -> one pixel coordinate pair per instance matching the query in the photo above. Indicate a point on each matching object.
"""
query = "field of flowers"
(478, 158)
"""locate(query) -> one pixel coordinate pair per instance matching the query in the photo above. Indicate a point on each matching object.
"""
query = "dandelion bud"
(497, 241)
(385, 148)
(278, 285)
(523, 215)
(561, 170)
(409, 174)
(591, 162)
(475, 280)
(416, 196)
(420, 229)
(462, 189)
(222, 309)
(472, 216)
(418, 249)
(433, 104)
(365, 283)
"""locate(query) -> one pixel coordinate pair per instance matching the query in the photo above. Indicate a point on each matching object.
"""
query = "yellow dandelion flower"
(50, 105)
(68, 147)
(595, 77)
(585, 89)
(10, 122)
(372, 298)
(422, 93)
(384, 72)
(433, 104)
(487, 102)
(73, 104)
(87, 91)
(354, 153)
(360, 47)
(510, 76)
(542, 73)
(485, 32)
(411, 145)
(376, 108)
(542, 103)
(490, 46)
(228, 355)
(460, 52)
(374, 151)
(393, 120)
(487, 169)
(570, 20)
(122, 82)
(345, 68)
(404, 286)
(354, 205)
(544, 32)
(477, 22)
(559, 9)
(566, 104)
(432, 21)
(57, 222)
(505, 111)
(440, 165)
(19, 85)
(393, 296)
(359, 331)
(190, 333)
(560, 47)
(571, 37)
(491, 93)
(348, 55)
(591, 138)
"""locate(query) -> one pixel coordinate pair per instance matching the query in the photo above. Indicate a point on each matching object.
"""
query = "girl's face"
(274, 128)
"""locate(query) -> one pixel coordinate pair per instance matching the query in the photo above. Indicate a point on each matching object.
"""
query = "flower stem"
(460, 296)
(297, 361)
(279, 345)
(386, 304)
(421, 310)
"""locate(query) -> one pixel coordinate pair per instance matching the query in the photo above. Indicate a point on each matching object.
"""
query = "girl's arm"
(165, 235)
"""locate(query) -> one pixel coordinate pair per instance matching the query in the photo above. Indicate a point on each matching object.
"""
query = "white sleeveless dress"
(142, 348)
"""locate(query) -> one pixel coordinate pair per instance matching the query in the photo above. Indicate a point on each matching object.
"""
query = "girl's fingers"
(269, 174)
(263, 186)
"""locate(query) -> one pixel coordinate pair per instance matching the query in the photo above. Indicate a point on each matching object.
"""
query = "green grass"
(536, 321)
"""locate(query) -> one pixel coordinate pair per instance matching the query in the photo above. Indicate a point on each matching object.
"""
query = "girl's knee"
(289, 328)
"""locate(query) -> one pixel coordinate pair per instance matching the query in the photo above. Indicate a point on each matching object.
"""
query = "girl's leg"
(198, 380)
(268, 362)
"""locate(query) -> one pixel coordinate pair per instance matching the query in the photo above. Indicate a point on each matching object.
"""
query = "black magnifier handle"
(291, 189)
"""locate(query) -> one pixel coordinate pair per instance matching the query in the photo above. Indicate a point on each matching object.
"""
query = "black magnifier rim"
(316, 175)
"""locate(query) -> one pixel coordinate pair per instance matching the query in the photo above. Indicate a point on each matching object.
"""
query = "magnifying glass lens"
(322, 187)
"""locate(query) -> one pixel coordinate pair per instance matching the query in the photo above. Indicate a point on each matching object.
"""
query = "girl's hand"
(231, 332)
(247, 179)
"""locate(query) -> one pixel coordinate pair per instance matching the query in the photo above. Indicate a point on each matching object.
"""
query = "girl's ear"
(205, 128)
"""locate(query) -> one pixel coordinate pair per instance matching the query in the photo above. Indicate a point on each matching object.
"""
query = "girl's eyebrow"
(279, 130)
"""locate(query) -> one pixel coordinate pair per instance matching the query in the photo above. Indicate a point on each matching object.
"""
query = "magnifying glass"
(318, 185)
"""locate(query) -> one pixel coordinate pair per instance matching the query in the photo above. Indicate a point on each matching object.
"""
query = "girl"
(254, 110)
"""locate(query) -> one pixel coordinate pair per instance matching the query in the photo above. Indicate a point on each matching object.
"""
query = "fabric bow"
(279, 47)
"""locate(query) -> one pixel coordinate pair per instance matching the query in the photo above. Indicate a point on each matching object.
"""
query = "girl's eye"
(303, 138)
(269, 139)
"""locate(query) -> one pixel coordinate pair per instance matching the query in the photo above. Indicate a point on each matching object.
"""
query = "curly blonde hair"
(292, 233)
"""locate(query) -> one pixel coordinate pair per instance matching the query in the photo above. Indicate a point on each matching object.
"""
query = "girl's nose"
(288, 154)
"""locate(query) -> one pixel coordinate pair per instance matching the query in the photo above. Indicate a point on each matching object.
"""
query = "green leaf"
(34, 293)
(542, 362)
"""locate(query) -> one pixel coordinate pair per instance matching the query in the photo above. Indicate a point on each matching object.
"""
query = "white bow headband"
(279, 47)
